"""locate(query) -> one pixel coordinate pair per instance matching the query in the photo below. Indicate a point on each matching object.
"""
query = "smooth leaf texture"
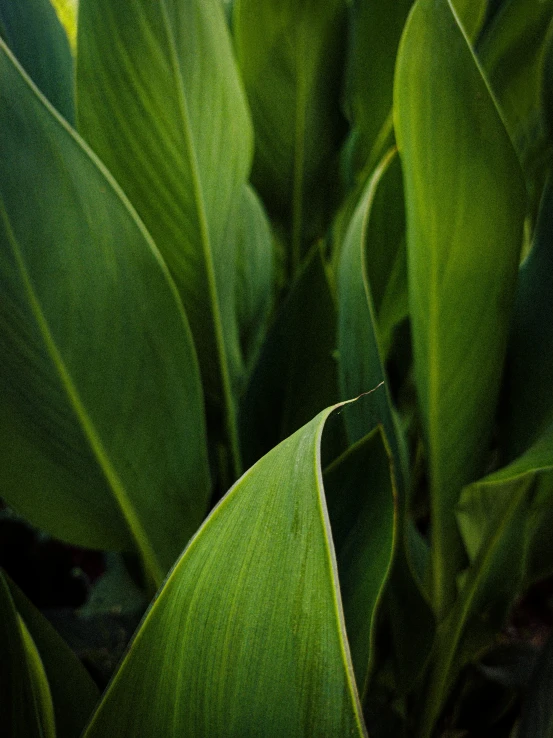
(529, 367)
(74, 695)
(160, 101)
(296, 374)
(290, 55)
(505, 520)
(247, 636)
(254, 281)
(511, 52)
(36, 37)
(67, 13)
(465, 207)
(102, 436)
(361, 370)
(360, 494)
(20, 714)
(374, 37)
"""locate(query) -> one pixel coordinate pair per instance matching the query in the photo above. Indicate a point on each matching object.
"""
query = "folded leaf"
(73, 693)
(67, 13)
(160, 101)
(247, 636)
(360, 495)
(290, 55)
(465, 205)
(36, 37)
(102, 435)
(21, 716)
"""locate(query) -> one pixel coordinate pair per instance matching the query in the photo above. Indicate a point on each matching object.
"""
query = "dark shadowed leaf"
(36, 37)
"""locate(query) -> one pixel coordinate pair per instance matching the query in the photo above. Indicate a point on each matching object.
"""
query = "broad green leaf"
(375, 30)
(505, 520)
(478, 501)
(35, 36)
(67, 13)
(160, 101)
(361, 366)
(529, 367)
(21, 717)
(465, 201)
(360, 495)
(361, 370)
(73, 693)
(547, 82)
(291, 55)
(536, 717)
(102, 436)
(247, 636)
(296, 373)
(255, 274)
(511, 52)
(472, 14)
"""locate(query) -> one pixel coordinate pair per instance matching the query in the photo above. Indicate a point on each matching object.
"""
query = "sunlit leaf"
(101, 425)
(247, 636)
(465, 207)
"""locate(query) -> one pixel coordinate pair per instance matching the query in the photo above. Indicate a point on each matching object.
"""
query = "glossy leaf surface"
(36, 37)
(101, 427)
(160, 101)
(290, 55)
(247, 636)
(465, 206)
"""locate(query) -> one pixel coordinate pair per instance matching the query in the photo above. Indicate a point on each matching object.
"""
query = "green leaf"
(160, 101)
(361, 370)
(296, 374)
(536, 717)
(529, 367)
(255, 274)
(511, 51)
(291, 56)
(505, 520)
(465, 207)
(67, 13)
(102, 436)
(472, 14)
(248, 630)
(375, 30)
(35, 36)
(73, 693)
(361, 499)
(18, 701)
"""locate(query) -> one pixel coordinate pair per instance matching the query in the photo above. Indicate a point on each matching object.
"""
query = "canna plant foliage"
(220, 223)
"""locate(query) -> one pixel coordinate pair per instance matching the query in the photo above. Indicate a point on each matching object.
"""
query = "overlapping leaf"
(247, 636)
(465, 205)
(101, 422)
(290, 55)
(160, 101)
(36, 37)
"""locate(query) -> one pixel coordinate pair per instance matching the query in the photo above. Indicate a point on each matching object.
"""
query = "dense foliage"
(220, 223)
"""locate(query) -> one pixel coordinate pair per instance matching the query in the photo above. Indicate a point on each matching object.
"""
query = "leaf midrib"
(101, 455)
(205, 242)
